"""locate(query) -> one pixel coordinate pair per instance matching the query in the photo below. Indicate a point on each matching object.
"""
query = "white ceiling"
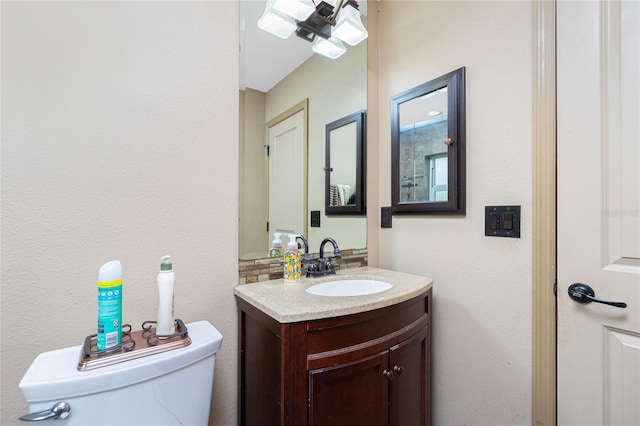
(264, 58)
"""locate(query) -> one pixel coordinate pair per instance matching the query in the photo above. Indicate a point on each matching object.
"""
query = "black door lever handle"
(582, 293)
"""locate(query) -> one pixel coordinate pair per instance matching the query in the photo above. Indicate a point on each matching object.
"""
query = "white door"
(598, 94)
(287, 183)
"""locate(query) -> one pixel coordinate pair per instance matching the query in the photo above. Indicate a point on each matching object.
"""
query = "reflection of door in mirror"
(287, 163)
(343, 154)
(423, 153)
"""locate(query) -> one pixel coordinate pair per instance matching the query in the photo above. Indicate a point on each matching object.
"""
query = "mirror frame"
(456, 151)
(359, 208)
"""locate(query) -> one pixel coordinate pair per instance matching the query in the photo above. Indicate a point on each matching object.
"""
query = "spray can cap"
(110, 271)
(166, 263)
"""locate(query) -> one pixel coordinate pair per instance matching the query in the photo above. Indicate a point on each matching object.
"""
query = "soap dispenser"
(276, 245)
(166, 283)
(292, 260)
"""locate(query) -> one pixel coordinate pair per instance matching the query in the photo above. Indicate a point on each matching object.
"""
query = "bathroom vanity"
(306, 359)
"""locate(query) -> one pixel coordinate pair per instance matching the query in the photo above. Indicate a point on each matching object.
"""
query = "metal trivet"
(140, 343)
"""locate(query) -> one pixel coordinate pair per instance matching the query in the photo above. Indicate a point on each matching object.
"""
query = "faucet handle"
(310, 262)
(329, 264)
(312, 268)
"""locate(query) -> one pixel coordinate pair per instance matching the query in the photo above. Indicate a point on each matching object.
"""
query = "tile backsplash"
(271, 268)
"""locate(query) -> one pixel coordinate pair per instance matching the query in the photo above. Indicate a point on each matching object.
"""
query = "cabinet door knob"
(398, 370)
(388, 374)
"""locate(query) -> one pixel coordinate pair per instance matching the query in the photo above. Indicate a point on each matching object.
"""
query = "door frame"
(544, 263)
(303, 106)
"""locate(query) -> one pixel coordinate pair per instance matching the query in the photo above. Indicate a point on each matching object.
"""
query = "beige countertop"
(291, 303)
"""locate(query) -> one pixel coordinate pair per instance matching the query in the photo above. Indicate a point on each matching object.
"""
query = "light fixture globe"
(297, 9)
(349, 26)
(331, 48)
(275, 22)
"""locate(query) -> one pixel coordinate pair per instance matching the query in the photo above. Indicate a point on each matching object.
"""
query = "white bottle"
(276, 246)
(166, 283)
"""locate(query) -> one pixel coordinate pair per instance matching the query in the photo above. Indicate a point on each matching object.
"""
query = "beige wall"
(482, 292)
(252, 164)
(119, 130)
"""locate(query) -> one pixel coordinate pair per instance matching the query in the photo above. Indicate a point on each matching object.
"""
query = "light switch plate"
(385, 217)
(315, 218)
(502, 221)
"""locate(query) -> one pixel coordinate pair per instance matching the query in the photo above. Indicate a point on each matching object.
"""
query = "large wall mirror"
(330, 89)
(428, 147)
(345, 165)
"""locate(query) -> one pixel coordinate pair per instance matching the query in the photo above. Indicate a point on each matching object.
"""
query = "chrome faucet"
(324, 265)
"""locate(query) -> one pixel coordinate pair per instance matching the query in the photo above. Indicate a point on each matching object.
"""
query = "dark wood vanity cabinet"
(370, 368)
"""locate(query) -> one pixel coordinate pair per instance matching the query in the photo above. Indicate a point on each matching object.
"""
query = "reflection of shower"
(408, 183)
(423, 159)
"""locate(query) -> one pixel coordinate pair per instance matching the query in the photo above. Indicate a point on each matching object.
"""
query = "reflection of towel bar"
(339, 194)
(334, 199)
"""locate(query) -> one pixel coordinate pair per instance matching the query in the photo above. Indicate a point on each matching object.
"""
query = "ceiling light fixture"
(326, 25)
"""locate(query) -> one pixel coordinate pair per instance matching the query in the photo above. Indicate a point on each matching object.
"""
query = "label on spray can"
(109, 314)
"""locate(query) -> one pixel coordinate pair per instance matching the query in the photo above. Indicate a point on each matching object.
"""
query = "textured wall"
(482, 290)
(119, 141)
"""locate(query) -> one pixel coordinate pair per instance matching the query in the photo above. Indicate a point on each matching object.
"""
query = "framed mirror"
(428, 147)
(345, 165)
(272, 83)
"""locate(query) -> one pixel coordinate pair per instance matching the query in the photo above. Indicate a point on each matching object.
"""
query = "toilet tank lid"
(55, 375)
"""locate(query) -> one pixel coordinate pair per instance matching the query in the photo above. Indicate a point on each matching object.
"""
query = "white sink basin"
(348, 288)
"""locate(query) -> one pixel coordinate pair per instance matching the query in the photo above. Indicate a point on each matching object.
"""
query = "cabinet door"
(350, 394)
(409, 394)
(260, 372)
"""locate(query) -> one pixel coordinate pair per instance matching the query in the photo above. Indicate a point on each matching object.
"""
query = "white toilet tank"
(169, 388)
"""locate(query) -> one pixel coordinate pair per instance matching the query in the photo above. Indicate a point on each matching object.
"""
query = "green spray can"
(109, 305)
